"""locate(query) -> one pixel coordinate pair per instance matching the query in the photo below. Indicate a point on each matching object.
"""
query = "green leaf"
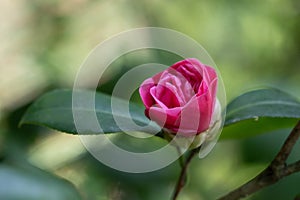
(250, 127)
(28, 182)
(260, 111)
(55, 110)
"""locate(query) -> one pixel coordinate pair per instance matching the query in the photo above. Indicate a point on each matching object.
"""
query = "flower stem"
(182, 177)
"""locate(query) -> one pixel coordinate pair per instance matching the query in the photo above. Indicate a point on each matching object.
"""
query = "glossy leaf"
(28, 182)
(55, 110)
(260, 111)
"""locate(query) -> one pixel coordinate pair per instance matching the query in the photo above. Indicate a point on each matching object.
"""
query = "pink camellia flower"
(182, 98)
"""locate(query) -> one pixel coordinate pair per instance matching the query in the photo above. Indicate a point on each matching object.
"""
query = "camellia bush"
(181, 107)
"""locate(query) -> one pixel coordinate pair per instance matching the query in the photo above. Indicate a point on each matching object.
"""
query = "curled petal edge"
(192, 142)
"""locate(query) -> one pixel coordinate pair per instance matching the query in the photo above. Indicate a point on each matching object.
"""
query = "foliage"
(254, 43)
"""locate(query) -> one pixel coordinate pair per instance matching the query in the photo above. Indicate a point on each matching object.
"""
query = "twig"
(182, 177)
(275, 171)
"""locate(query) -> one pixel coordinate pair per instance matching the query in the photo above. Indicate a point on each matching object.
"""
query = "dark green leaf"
(28, 182)
(252, 127)
(260, 111)
(54, 110)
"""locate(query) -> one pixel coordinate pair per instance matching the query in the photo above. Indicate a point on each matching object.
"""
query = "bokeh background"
(43, 43)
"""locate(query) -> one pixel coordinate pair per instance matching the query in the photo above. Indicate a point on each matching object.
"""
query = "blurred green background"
(43, 43)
